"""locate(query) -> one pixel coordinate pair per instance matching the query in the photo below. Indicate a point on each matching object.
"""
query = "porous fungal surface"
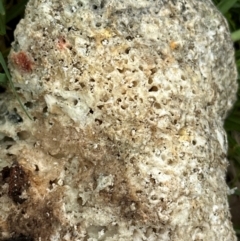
(126, 141)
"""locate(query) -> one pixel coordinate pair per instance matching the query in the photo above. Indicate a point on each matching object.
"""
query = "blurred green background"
(11, 11)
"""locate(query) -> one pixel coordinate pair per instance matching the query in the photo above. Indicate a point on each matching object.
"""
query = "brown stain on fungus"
(22, 61)
(19, 238)
(35, 219)
(17, 180)
(37, 216)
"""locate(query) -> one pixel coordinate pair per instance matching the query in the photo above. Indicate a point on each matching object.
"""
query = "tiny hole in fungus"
(183, 77)
(100, 107)
(170, 161)
(91, 111)
(98, 25)
(120, 70)
(157, 105)
(23, 135)
(50, 123)
(36, 168)
(154, 197)
(52, 183)
(102, 4)
(134, 83)
(129, 38)
(127, 50)
(119, 100)
(150, 80)
(80, 4)
(10, 155)
(194, 142)
(185, 174)
(153, 70)
(82, 85)
(80, 201)
(124, 107)
(7, 139)
(153, 89)
(29, 104)
(95, 7)
(99, 122)
(15, 117)
(45, 109)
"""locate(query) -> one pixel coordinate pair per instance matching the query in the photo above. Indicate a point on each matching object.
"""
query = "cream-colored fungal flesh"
(128, 100)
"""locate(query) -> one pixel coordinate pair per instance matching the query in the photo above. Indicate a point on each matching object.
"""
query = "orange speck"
(173, 45)
(22, 61)
(62, 43)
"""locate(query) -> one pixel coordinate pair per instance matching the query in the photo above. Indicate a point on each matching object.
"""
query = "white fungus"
(128, 100)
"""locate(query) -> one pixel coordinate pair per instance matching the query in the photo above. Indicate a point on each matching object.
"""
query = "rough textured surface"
(127, 143)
